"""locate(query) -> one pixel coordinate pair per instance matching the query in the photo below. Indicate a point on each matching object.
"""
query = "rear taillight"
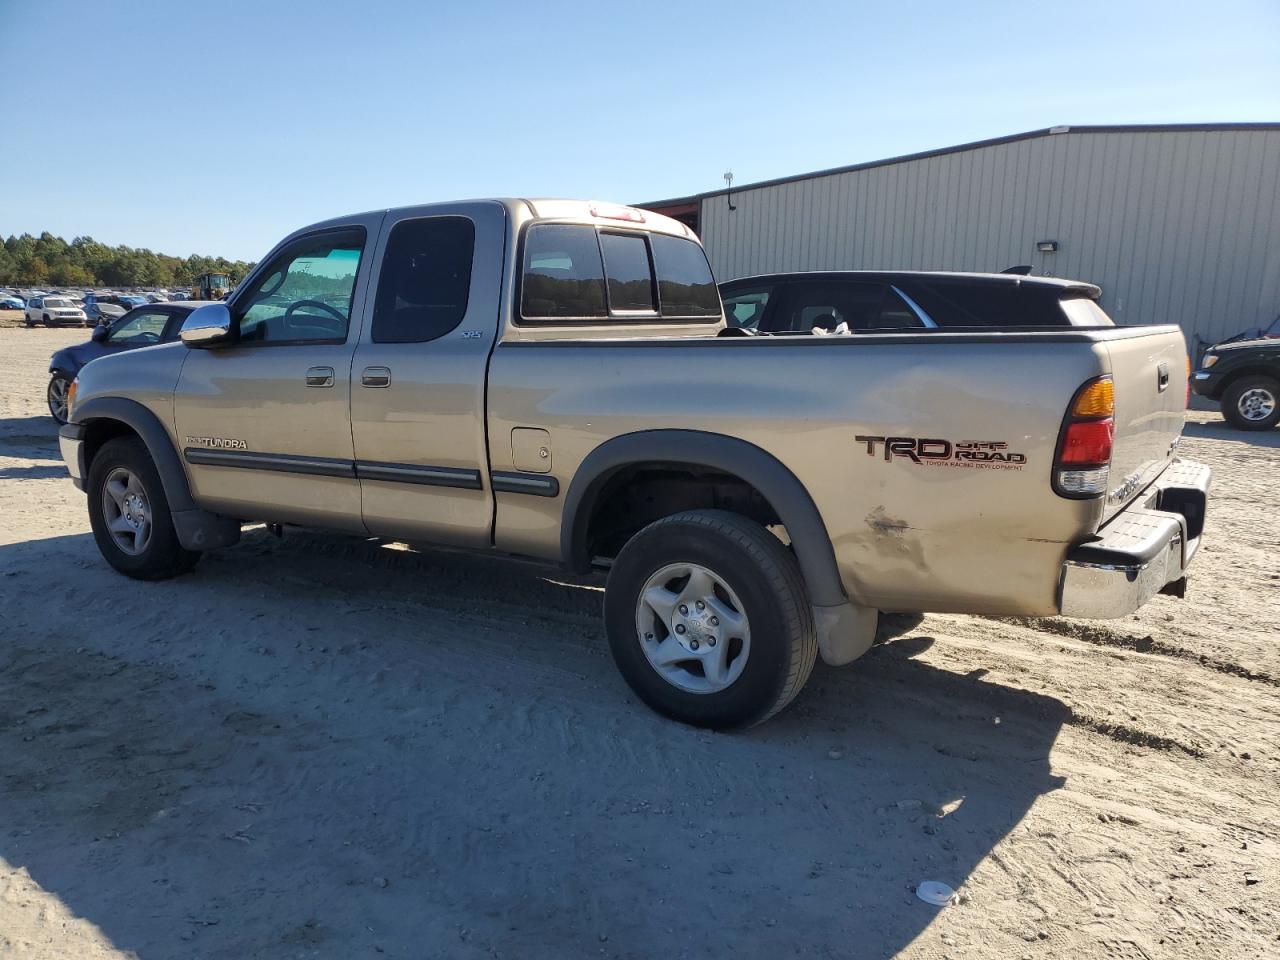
(1188, 405)
(1083, 462)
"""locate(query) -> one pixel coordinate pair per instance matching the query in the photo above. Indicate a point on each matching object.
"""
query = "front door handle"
(320, 377)
(376, 377)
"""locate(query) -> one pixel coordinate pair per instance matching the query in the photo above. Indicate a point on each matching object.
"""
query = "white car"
(53, 312)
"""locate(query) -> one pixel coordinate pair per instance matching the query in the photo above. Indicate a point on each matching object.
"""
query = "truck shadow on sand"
(325, 746)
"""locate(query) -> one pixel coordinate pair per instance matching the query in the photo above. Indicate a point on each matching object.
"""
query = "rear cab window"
(582, 274)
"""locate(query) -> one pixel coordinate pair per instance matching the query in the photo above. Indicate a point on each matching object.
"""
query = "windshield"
(57, 303)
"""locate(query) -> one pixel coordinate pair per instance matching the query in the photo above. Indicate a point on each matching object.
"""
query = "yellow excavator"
(211, 286)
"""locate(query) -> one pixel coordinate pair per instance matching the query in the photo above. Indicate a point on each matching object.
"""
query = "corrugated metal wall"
(1175, 226)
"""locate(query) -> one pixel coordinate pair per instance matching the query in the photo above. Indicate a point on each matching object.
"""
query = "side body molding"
(197, 529)
(845, 631)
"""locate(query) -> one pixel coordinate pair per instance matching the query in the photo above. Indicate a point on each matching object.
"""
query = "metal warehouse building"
(1175, 223)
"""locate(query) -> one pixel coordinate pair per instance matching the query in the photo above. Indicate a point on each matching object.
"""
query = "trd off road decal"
(981, 455)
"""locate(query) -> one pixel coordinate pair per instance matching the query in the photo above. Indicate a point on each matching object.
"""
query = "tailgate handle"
(1162, 376)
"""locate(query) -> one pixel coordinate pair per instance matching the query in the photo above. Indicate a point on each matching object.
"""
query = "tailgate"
(1150, 374)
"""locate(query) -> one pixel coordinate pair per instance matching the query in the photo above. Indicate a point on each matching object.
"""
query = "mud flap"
(845, 632)
(202, 530)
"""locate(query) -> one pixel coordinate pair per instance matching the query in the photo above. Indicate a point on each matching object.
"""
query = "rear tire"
(764, 635)
(1252, 403)
(130, 514)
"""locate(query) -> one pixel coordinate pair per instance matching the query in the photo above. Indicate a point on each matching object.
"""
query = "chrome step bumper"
(1143, 550)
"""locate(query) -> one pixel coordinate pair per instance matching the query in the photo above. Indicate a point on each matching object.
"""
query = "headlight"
(1209, 360)
(71, 398)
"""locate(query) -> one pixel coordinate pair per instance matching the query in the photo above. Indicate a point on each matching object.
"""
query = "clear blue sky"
(217, 127)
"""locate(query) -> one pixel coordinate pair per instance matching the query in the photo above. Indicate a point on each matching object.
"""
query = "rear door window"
(425, 279)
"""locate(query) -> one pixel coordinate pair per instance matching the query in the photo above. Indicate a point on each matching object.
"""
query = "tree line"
(47, 260)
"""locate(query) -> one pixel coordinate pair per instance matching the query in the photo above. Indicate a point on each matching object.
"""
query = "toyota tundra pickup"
(548, 379)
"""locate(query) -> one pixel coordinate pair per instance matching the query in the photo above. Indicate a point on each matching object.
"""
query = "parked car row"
(14, 298)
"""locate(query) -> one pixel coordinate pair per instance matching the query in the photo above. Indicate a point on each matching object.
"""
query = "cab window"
(578, 272)
(563, 274)
(425, 279)
(304, 294)
(686, 287)
(629, 273)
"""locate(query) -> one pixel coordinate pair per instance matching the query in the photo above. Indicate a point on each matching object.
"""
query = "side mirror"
(100, 333)
(207, 326)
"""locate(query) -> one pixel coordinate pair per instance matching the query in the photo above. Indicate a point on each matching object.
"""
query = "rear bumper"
(71, 446)
(1143, 550)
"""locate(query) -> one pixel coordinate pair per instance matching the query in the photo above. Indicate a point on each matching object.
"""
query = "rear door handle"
(376, 377)
(320, 377)
(1162, 377)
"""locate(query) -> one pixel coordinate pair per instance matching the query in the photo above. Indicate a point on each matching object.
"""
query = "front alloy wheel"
(1256, 404)
(127, 511)
(130, 514)
(1252, 403)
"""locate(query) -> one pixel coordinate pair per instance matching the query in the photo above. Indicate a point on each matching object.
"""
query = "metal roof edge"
(1054, 131)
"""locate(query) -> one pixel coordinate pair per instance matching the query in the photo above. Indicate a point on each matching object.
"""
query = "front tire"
(130, 514)
(48, 320)
(1252, 403)
(56, 395)
(709, 621)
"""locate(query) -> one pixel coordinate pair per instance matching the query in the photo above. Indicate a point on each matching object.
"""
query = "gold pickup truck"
(553, 379)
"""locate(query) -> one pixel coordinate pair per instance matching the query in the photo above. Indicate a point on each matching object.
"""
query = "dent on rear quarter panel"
(907, 536)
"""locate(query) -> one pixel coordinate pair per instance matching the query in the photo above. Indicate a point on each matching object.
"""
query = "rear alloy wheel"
(57, 396)
(709, 620)
(1252, 403)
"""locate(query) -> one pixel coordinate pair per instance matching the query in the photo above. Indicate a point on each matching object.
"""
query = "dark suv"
(1244, 377)
(142, 327)
(854, 301)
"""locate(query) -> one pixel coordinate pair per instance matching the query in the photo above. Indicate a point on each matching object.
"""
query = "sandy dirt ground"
(328, 747)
